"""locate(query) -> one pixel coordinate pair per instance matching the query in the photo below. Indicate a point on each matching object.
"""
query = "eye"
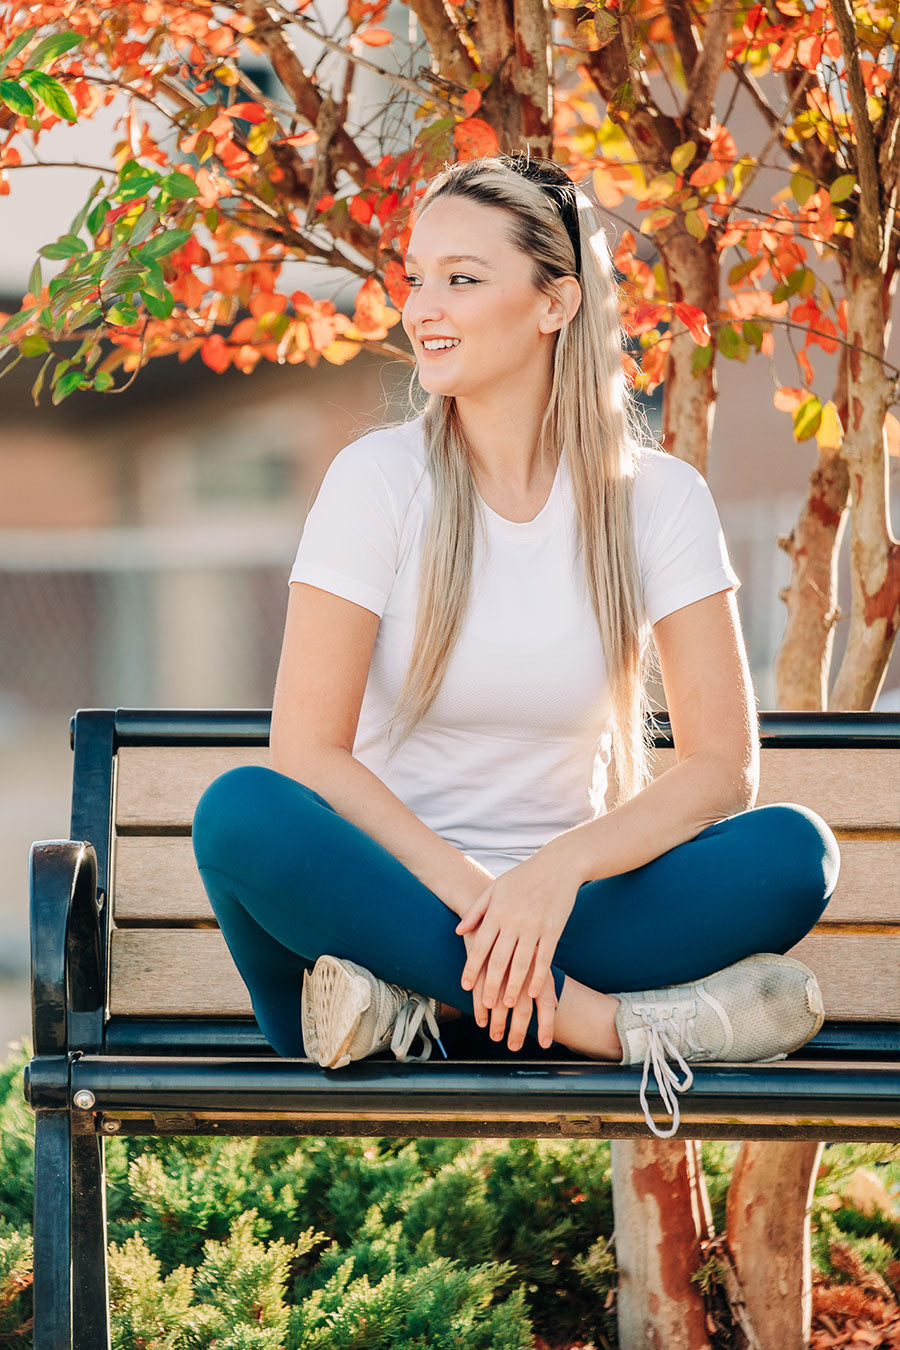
(458, 276)
(410, 281)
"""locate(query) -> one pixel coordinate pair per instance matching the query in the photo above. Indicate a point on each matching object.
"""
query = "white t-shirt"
(515, 747)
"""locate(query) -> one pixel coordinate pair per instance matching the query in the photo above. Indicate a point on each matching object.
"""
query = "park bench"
(142, 1026)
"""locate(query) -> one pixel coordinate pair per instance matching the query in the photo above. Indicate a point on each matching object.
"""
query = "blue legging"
(290, 879)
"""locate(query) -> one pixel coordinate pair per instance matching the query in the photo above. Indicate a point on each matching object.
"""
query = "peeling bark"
(657, 1246)
(769, 1238)
(689, 399)
(803, 660)
(512, 38)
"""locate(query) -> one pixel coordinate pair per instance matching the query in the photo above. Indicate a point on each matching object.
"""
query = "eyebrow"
(454, 258)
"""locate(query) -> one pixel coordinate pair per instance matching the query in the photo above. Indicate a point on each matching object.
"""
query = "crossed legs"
(290, 880)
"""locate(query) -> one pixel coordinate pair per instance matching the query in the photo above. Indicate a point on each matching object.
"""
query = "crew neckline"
(523, 529)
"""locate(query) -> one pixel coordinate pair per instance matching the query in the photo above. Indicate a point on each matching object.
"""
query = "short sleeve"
(682, 550)
(349, 542)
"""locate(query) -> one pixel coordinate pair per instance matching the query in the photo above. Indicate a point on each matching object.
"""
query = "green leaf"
(123, 314)
(16, 320)
(71, 381)
(69, 246)
(35, 281)
(700, 358)
(728, 342)
(51, 93)
(78, 222)
(60, 370)
(142, 228)
(98, 215)
(53, 46)
(103, 380)
(682, 155)
(164, 244)
(842, 187)
(34, 345)
(16, 98)
(136, 185)
(15, 47)
(807, 418)
(159, 306)
(695, 224)
(803, 187)
(741, 270)
(179, 185)
(39, 382)
(753, 334)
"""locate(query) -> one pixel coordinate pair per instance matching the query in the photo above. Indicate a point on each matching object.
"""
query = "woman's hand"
(544, 1004)
(512, 932)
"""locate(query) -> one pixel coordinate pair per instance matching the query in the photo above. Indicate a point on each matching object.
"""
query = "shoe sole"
(336, 1002)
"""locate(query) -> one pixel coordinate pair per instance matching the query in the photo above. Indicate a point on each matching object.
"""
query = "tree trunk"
(769, 1238)
(689, 399)
(803, 660)
(874, 553)
(658, 1207)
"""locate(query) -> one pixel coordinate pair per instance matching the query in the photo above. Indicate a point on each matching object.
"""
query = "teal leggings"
(289, 879)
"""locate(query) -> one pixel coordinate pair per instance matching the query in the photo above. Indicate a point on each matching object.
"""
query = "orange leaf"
(892, 435)
(805, 365)
(361, 209)
(247, 112)
(376, 37)
(471, 101)
(215, 353)
(723, 147)
(788, 397)
(694, 320)
(474, 138)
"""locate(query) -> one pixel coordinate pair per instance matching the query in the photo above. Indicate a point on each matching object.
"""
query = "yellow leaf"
(829, 433)
(682, 155)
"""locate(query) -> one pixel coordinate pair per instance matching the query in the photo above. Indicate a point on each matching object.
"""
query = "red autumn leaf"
(267, 302)
(694, 320)
(805, 365)
(474, 138)
(247, 112)
(376, 37)
(396, 287)
(471, 101)
(215, 353)
(361, 209)
(325, 203)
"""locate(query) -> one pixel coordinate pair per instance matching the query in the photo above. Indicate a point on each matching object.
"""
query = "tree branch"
(442, 36)
(867, 224)
(704, 76)
(763, 105)
(684, 35)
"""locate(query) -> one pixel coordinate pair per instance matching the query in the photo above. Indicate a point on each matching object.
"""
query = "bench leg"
(52, 1240)
(90, 1280)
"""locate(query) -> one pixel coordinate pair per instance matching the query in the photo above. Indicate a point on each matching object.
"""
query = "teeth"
(439, 344)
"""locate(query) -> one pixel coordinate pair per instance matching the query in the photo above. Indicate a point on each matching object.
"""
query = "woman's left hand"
(516, 924)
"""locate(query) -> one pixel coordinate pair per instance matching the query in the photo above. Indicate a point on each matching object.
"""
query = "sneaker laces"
(669, 1029)
(413, 1012)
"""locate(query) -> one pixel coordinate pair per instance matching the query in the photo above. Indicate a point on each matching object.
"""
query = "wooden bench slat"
(177, 972)
(157, 882)
(158, 787)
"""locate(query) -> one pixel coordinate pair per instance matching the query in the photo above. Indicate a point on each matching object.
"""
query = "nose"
(423, 304)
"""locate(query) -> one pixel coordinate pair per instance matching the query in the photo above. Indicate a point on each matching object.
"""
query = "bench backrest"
(168, 959)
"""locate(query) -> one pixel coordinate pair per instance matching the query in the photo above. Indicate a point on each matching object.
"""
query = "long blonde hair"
(590, 418)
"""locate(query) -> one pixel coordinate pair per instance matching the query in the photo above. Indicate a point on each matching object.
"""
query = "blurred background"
(146, 538)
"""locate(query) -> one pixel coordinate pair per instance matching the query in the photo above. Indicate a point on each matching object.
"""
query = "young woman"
(467, 642)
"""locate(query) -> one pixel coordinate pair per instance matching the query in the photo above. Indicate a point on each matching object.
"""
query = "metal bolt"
(83, 1099)
(110, 1126)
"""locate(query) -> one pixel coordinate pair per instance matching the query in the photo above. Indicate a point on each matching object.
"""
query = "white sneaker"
(758, 1010)
(347, 1013)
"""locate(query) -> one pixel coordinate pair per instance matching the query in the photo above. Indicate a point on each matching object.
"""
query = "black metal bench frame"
(92, 1076)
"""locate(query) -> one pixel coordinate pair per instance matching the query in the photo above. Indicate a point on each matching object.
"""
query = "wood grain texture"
(157, 882)
(159, 786)
(185, 973)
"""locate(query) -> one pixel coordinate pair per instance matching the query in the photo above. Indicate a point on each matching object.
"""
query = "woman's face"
(472, 286)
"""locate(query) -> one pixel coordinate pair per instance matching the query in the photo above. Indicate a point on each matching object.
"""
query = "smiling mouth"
(436, 351)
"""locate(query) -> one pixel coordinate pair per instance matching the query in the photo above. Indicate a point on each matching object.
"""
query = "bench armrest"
(66, 967)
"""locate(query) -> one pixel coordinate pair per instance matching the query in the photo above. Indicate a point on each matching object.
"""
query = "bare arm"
(325, 659)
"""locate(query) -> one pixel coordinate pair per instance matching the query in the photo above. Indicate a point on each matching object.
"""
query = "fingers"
(472, 917)
(498, 968)
(478, 951)
(518, 1022)
(520, 966)
(540, 973)
(545, 1006)
(481, 1012)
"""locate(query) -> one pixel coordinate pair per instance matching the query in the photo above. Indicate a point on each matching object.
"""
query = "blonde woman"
(466, 648)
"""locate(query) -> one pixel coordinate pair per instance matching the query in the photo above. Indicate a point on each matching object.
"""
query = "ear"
(562, 304)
